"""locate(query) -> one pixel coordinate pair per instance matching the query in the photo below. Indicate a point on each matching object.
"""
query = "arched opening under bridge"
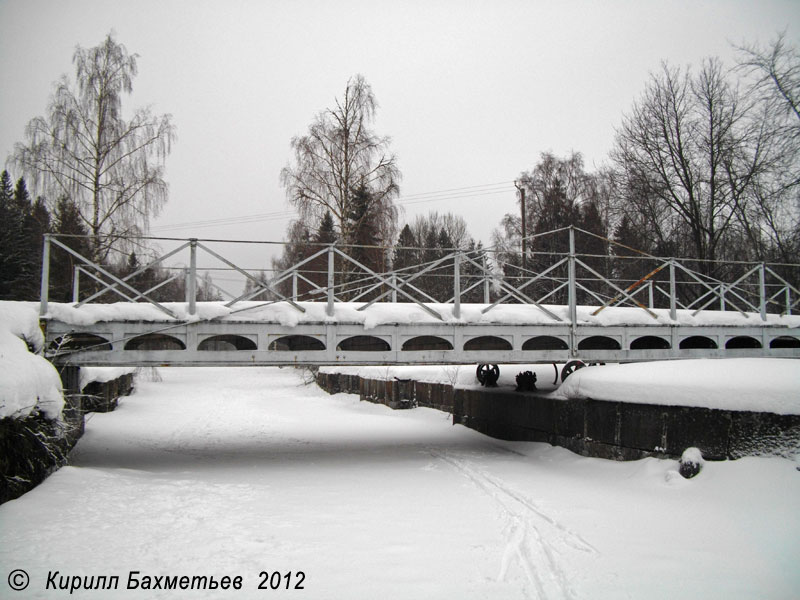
(296, 343)
(227, 342)
(427, 342)
(364, 343)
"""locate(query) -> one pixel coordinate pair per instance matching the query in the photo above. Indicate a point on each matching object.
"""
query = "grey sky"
(470, 92)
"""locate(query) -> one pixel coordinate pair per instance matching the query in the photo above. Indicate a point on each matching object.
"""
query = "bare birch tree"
(339, 156)
(84, 148)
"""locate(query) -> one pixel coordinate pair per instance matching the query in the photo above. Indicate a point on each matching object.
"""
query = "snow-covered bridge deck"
(280, 333)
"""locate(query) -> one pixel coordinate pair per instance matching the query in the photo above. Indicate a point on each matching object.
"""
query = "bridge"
(331, 308)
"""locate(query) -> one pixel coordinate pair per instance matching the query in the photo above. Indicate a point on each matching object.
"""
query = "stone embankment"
(613, 430)
(33, 447)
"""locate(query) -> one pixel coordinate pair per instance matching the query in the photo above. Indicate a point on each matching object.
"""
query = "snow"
(692, 456)
(234, 471)
(391, 313)
(740, 384)
(28, 382)
(102, 374)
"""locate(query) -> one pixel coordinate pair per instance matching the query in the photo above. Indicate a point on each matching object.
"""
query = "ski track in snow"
(539, 542)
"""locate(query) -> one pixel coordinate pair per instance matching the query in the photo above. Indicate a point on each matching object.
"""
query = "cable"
(472, 191)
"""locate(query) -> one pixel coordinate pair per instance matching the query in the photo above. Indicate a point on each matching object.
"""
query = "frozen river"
(239, 472)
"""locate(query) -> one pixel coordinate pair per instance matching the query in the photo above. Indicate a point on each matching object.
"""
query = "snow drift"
(28, 382)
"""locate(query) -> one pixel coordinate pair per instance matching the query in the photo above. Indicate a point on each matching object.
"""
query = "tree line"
(25, 221)
(705, 165)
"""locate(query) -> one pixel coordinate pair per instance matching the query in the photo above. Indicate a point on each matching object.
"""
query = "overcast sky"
(470, 92)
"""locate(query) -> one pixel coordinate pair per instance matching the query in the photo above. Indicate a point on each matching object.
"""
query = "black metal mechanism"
(488, 375)
(526, 381)
(570, 368)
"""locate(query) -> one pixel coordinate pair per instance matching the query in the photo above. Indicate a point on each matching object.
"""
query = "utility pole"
(524, 234)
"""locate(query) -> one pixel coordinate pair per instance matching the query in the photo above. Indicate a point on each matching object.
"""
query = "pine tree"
(18, 260)
(27, 284)
(326, 234)
(9, 238)
(363, 223)
(67, 220)
(317, 269)
(406, 252)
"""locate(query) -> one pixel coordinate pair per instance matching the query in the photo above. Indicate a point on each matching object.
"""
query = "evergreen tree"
(363, 221)
(27, 284)
(19, 257)
(406, 252)
(443, 282)
(67, 220)
(10, 239)
(429, 254)
(326, 234)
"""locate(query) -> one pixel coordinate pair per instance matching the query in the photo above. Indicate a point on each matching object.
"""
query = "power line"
(472, 191)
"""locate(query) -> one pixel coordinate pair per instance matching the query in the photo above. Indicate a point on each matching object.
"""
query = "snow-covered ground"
(239, 471)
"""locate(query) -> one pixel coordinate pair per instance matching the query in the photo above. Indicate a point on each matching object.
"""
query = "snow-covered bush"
(32, 431)
(28, 382)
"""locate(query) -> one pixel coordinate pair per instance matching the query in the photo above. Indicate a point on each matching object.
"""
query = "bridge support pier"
(73, 405)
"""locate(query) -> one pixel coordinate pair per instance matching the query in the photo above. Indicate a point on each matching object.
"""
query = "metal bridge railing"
(567, 278)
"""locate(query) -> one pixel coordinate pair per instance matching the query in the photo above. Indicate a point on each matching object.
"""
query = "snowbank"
(27, 381)
(741, 384)
(102, 374)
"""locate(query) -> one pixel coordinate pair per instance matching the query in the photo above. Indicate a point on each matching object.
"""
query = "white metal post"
(44, 290)
(788, 300)
(673, 310)
(294, 286)
(457, 285)
(571, 292)
(486, 297)
(329, 309)
(650, 298)
(76, 284)
(762, 292)
(394, 287)
(192, 287)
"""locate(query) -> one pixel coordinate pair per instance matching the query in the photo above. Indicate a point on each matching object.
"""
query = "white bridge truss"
(367, 317)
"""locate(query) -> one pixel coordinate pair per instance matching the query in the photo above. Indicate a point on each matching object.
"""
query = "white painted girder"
(331, 334)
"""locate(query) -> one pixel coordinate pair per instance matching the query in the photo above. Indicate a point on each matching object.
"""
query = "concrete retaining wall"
(614, 430)
(104, 396)
(395, 393)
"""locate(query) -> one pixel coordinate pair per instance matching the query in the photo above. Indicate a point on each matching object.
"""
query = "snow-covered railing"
(335, 275)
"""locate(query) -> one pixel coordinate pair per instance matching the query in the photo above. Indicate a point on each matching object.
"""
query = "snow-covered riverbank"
(239, 471)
